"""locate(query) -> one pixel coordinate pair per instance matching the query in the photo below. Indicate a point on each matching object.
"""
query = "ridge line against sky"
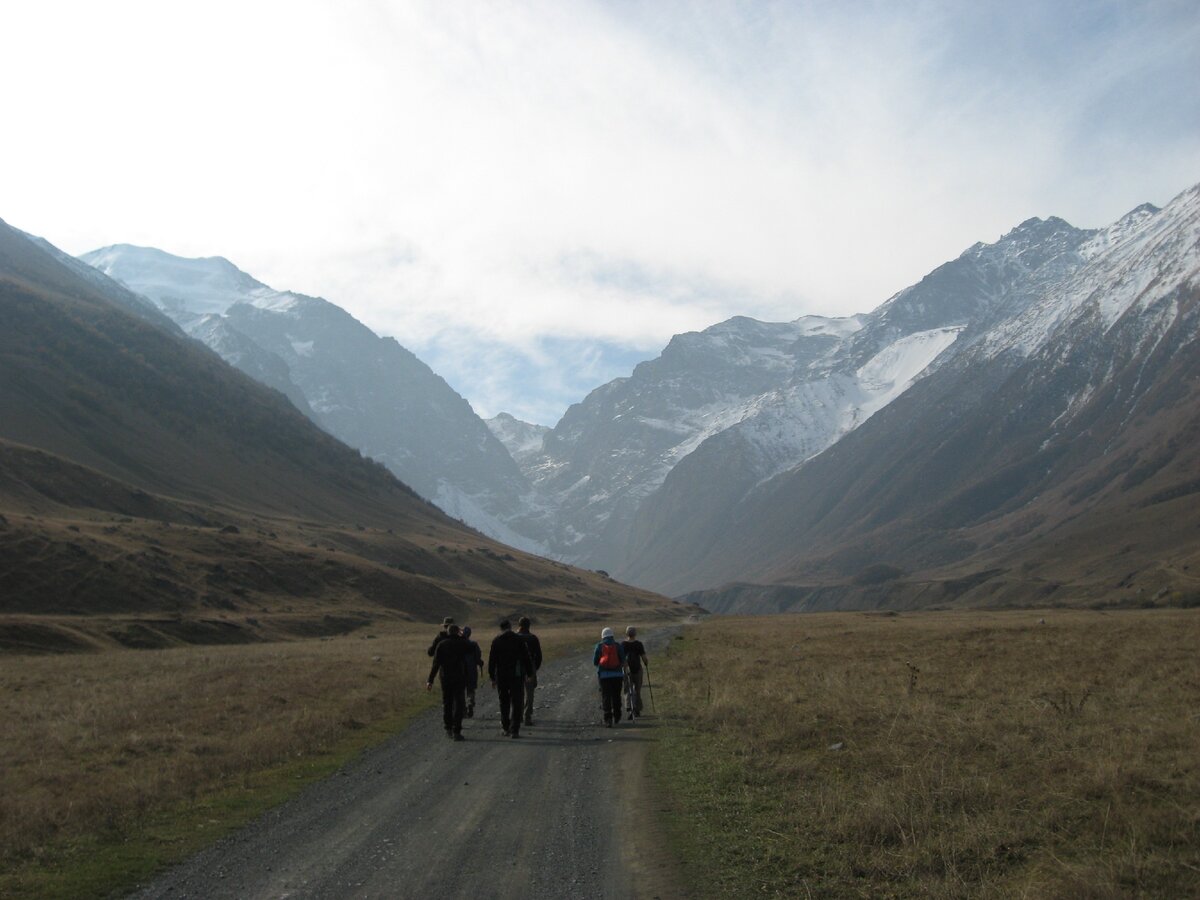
(534, 196)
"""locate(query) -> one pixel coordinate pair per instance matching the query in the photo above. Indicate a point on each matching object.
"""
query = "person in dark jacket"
(474, 670)
(441, 635)
(535, 654)
(635, 663)
(450, 660)
(509, 665)
(609, 660)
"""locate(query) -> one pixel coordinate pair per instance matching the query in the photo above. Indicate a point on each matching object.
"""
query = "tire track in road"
(490, 817)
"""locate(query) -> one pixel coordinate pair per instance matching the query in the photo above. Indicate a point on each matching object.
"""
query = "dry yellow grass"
(98, 744)
(937, 754)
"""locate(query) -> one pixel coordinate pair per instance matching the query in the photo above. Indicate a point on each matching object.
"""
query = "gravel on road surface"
(565, 811)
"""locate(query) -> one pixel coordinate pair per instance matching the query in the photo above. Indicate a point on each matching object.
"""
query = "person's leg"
(504, 691)
(635, 679)
(448, 708)
(518, 704)
(529, 700)
(610, 689)
(458, 707)
(469, 712)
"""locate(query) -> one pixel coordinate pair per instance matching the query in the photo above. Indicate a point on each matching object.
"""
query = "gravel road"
(562, 812)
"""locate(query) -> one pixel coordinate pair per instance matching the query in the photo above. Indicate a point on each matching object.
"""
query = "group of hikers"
(512, 666)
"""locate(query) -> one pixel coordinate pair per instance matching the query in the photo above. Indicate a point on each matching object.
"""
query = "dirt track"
(559, 813)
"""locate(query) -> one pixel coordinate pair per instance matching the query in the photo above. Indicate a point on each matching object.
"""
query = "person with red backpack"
(609, 660)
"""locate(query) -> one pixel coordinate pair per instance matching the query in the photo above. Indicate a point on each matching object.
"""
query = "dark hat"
(449, 620)
(523, 622)
(466, 631)
(455, 631)
(505, 625)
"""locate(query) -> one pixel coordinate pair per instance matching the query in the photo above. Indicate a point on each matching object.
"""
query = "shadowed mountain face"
(366, 390)
(141, 473)
(1055, 457)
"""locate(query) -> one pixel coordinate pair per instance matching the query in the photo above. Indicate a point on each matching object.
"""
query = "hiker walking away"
(441, 635)
(450, 660)
(535, 654)
(635, 664)
(609, 660)
(474, 670)
(509, 665)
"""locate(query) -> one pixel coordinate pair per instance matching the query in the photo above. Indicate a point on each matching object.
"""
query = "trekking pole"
(653, 708)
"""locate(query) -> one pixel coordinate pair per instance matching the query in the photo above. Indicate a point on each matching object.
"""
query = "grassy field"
(120, 762)
(974, 754)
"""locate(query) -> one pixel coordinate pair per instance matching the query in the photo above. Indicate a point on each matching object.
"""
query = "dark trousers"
(454, 701)
(610, 698)
(512, 702)
(633, 688)
(529, 699)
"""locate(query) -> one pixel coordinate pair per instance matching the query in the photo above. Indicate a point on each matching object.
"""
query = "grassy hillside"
(151, 495)
(935, 754)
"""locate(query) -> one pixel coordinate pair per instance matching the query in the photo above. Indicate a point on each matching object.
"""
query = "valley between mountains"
(194, 462)
(1015, 425)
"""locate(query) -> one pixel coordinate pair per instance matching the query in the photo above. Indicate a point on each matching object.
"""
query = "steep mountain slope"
(1055, 455)
(368, 391)
(646, 462)
(142, 475)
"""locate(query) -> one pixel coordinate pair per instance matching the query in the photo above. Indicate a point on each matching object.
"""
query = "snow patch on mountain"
(175, 283)
(523, 440)
(481, 516)
(893, 370)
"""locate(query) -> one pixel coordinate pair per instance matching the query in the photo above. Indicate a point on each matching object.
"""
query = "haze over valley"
(674, 477)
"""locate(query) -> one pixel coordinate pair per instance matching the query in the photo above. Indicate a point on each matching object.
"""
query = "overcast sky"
(534, 196)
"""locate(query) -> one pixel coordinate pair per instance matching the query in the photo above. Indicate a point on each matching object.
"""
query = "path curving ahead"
(558, 813)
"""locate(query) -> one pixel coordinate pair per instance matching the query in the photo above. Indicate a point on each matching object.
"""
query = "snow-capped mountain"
(523, 440)
(1052, 450)
(793, 456)
(368, 391)
(722, 410)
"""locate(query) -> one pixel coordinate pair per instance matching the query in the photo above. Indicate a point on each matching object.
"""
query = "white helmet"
(606, 633)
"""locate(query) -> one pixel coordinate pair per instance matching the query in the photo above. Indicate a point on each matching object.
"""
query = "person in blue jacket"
(609, 660)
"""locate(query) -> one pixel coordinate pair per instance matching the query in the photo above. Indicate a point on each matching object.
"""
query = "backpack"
(610, 657)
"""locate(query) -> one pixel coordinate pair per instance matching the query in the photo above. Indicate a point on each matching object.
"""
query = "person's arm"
(492, 663)
(437, 663)
(596, 655)
(527, 661)
(537, 653)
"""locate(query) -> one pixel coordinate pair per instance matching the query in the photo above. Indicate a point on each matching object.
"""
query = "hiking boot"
(515, 735)
(458, 736)
(505, 731)
(529, 720)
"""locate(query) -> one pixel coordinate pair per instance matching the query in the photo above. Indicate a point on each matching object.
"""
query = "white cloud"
(474, 176)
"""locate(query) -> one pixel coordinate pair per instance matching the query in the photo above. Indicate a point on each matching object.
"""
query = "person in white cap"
(609, 660)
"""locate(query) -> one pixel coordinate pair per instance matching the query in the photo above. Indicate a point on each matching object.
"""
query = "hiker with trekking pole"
(635, 661)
